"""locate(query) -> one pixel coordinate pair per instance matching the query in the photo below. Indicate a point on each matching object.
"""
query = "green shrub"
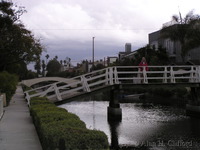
(74, 138)
(39, 101)
(59, 129)
(27, 88)
(8, 84)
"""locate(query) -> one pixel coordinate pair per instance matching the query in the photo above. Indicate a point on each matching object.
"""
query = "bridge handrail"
(76, 80)
(119, 75)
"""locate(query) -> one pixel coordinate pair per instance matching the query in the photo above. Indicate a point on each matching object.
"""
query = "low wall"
(2, 103)
(1, 106)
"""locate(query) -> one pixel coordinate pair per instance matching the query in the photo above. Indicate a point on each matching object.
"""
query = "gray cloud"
(67, 26)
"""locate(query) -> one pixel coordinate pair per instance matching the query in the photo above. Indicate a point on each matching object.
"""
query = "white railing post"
(145, 75)
(116, 75)
(1, 106)
(44, 93)
(191, 74)
(165, 75)
(58, 95)
(198, 73)
(85, 84)
(111, 75)
(27, 98)
(107, 76)
(172, 75)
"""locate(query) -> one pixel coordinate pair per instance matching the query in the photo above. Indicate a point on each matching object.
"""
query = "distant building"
(127, 53)
(128, 47)
(86, 66)
(111, 60)
(173, 48)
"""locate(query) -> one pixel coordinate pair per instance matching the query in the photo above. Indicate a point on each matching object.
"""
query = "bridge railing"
(83, 83)
(157, 74)
(117, 75)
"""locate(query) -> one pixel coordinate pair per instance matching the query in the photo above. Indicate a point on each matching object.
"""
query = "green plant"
(59, 129)
(8, 83)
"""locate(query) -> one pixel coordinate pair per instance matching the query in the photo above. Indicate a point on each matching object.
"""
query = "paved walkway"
(17, 131)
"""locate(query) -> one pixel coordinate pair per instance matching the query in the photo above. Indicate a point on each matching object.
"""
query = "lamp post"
(93, 52)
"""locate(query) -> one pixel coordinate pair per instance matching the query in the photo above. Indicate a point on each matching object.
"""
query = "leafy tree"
(153, 57)
(158, 57)
(31, 75)
(53, 67)
(8, 84)
(186, 31)
(18, 68)
(17, 44)
(97, 67)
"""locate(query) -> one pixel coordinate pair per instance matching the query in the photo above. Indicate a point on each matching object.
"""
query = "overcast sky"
(66, 27)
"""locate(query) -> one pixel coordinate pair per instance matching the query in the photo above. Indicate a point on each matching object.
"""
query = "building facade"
(173, 49)
(128, 47)
(111, 60)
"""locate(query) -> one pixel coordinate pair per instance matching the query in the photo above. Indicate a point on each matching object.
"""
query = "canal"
(151, 127)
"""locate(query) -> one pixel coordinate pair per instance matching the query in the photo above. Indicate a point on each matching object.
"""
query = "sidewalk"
(17, 131)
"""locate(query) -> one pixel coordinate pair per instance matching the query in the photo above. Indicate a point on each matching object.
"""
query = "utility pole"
(93, 52)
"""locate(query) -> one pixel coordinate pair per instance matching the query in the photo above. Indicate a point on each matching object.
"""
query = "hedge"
(27, 88)
(59, 130)
(8, 84)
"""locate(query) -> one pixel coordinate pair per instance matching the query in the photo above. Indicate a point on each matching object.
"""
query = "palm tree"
(47, 57)
(56, 57)
(43, 68)
(65, 62)
(61, 62)
(186, 31)
(37, 66)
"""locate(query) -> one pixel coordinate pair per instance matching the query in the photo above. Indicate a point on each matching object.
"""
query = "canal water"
(151, 127)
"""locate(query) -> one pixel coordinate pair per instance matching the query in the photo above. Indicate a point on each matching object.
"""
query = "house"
(111, 60)
(173, 48)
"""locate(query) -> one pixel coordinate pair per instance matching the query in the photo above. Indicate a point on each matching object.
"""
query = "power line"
(98, 29)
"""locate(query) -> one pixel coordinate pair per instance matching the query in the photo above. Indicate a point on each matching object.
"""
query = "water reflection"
(114, 134)
(195, 126)
(142, 126)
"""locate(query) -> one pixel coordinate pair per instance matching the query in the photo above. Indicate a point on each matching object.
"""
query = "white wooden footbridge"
(124, 76)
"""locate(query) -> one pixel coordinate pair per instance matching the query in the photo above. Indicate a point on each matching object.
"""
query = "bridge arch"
(31, 82)
(118, 77)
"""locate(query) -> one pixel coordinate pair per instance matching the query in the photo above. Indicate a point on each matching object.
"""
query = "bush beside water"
(59, 129)
(173, 96)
